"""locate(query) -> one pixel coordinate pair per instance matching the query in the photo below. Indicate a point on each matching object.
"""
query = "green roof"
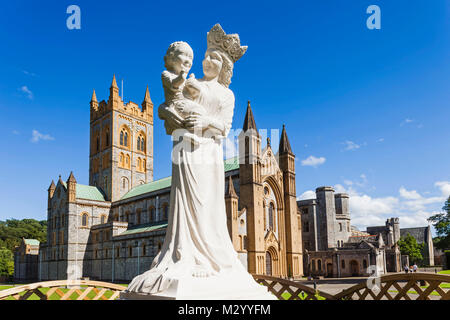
(31, 242)
(148, 187)
(143, 229)
(229, 165)
(88, 192)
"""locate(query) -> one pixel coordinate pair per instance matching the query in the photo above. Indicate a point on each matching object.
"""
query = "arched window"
(97, 143)
(130, 251)
(313, 265)
(107, 137)
(84, 219)
(141, 143)
(127, 161)
(124, 137)
(165, 209)
(151, 215)
(245, 242)
(144, 249)
(116, 217)
(268, 263)
(138, 216)
(319, 265)
(364, 263)
(340, 226)
(139, 164)
(271, 210)
(343, 264)
(103, 219)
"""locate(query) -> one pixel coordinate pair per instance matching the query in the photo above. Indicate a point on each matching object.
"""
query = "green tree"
(12, 231)
(409, 246)
(441, 223)
(6, 262)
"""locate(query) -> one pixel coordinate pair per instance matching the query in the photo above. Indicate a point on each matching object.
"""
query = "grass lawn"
(55, 296)
(5, 287)
(302, 296)
(444, 272)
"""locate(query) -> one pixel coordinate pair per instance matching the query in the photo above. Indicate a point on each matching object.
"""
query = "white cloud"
(409, 121)
(230, 146)
(29, 73)
(413, 194)
(412, 208)
(313, 161)
(27, 91)
(380, 140)
(445, 188)
(15, 132)
(307, 195)
(350, 145)
(36, 136)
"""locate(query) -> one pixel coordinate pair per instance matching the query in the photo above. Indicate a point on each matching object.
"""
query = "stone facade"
(26, 260)
(112, 228)
(334, 248)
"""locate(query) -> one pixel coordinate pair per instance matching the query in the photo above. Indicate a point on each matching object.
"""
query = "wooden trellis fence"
(290, 290)
(400, 286)
(64, 290)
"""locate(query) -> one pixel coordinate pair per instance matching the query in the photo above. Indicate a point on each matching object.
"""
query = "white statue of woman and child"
(197, 259)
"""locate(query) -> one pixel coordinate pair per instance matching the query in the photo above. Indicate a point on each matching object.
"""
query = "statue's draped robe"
(197, 238)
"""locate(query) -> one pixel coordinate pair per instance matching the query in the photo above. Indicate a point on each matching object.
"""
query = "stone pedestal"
(241, 287)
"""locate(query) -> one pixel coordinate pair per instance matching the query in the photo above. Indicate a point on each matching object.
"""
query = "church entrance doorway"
(354, 268)
(329, 270)
(268, 263)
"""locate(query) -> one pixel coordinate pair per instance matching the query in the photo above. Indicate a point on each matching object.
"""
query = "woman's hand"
(197, 121)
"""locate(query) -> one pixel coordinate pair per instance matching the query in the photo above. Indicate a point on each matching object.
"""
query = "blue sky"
(366, 111)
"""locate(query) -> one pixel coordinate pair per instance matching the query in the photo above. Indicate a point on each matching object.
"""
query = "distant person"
(406, 268)
(415, 267)
(411, 269)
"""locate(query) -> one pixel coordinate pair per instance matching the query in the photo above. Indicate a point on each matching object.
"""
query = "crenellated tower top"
(115, 102)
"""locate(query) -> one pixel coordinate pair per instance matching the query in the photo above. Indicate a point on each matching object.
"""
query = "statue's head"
(179, 57)
(223, 51)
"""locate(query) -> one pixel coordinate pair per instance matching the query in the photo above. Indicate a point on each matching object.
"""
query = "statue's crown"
(228, 43)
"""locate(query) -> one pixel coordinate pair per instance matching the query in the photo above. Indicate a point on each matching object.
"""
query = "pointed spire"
(114, 83)
(268, 142)
(231, 192)
(71, 178)
(147, 96)
(52, 186)
(60, 180)
(285, 146)
(94, 97)
(249, 121)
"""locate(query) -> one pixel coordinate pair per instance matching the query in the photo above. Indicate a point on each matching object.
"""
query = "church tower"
(121, 143)
(251, 192)
(292, 218)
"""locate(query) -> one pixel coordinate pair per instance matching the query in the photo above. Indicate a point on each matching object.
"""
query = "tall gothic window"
(107, 137)
(84, 220)
(165, 209)
(271, 211)
(124, 137)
